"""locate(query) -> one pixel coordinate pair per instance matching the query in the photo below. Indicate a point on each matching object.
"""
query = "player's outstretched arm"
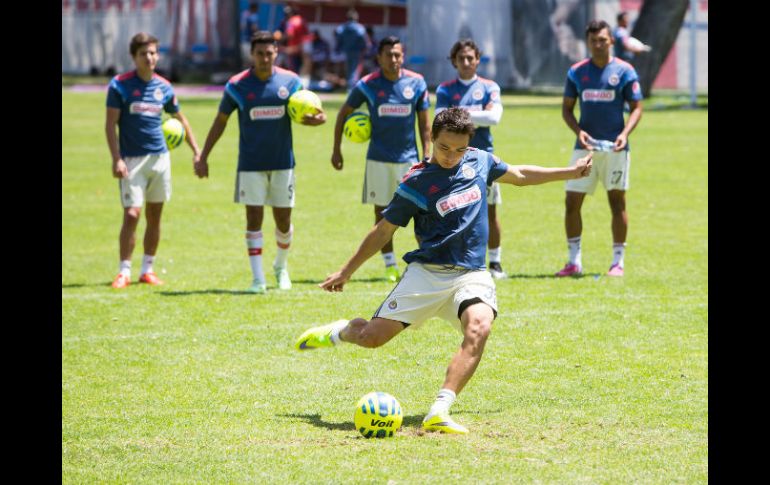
(342, 115)
(535, 175)
(380, 234)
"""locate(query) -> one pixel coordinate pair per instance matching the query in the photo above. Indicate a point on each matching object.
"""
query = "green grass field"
(590, 380)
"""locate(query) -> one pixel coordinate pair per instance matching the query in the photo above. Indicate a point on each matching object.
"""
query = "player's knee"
(132, 214)
(478, 329)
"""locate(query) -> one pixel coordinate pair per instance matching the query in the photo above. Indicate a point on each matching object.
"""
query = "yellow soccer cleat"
(444, 424)
(318, 337)
(392, 274)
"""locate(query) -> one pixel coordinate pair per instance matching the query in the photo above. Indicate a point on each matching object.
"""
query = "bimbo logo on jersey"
(458, 200)
(145, 109)
(394, 109)
(600, 95)
(266, 112)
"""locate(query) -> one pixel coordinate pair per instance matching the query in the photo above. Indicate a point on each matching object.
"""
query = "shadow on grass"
(547, 276)
(414, 421)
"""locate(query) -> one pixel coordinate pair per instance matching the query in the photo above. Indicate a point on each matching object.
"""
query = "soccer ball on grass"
(378, 415)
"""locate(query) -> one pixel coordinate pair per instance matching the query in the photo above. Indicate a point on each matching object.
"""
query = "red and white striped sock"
(254, 245)
(283, 241)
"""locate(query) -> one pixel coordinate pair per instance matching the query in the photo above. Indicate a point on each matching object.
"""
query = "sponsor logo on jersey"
(433, 189)
(380, 93)
(458, 200)
(468, 171)
(457, 97)
(145, 109)
(635, 87)
(495, 95)
(157, 94)
(477, 94)
(408, 92)
(266, 112)
(251, 96)
(283, 93)
(136, 93)
(614, 79)
(390, 109)
(600, 95)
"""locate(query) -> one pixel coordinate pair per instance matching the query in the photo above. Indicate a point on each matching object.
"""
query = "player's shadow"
(414, 421)
(546, 276)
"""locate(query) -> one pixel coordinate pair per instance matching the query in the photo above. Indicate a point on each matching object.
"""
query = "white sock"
(618, 253)
(254, 245)
(283, 241)
(335, 335)
(389, 258)
(494, 254)
(575, 257)
(147, 264)
(444, 399)
(125, 267)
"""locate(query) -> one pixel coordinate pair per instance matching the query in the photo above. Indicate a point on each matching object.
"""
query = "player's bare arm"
(189, 136)
(633, 119)
(215, 132)
(424, 127)
(344, 112)
(119, 169)
(380, 234)
(568, 114)
(522, 175)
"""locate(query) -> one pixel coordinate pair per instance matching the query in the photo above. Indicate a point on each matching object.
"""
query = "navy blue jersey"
(141, 106)
(602, 93)
(265, 141)
(620, 34)
(392, 109)
(449, 207)
(472, 97)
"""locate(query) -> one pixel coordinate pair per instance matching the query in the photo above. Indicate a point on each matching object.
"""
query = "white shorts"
(381, 181)
(427, 290)
(609, 167)
(149, 179)
(494, 197)
(273, 187)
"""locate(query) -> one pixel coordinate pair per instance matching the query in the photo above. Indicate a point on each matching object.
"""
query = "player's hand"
(201, 168)
(337, 160)
(620, 143)
(584, 139)
(119, 169)
(335, 281)
(314, 119)
(583, 165)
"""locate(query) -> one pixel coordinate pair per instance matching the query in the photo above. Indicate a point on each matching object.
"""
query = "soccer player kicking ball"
(446, 276)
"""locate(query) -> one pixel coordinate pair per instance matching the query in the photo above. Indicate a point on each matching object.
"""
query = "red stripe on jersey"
(580, 63)
(126, 75)
(371, 76)
(255, 251)
(622, 63)
(448, 83)
(240, 76)
(485, 80)
(281, 70)
(416, 166)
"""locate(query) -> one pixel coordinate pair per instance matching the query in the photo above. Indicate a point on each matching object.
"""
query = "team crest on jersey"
(266, 112)
(468, 171)
(283, 93)
(614, 79)
(408, 92)
(157, 94)
(635, 87)
(477, 94)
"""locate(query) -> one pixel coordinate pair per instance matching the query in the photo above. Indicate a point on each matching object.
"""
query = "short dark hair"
(389, 40)
(620, 16)
(454, 120)
(140, 40)
(352, 14)
(462, 44)
(596, 26)
(262, 37)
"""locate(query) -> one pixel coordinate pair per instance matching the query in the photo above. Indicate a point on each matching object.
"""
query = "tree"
(658, 26)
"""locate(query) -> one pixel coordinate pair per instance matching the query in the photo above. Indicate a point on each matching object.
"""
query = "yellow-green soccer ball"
(303, 102)
(378, 415)
(358, 127)
(173, 132)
